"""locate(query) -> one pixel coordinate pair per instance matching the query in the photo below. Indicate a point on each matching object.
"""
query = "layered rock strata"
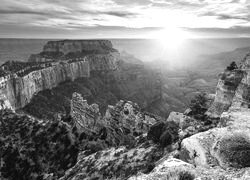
(65, 49)
(125, 115)
(19, 90)
(232, 90)
(228, 145)
(20, 81)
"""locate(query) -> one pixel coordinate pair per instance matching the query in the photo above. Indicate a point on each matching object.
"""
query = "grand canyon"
(125, 90)
(80, 109)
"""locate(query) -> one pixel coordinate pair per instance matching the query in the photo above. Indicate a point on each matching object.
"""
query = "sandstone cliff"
(232, 90)
(21, 81)
(19, 90)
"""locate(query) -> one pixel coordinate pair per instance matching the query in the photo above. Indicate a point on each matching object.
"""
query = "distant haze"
(146, 50)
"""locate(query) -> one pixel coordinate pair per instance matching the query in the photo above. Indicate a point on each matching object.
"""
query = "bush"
(234, 150)
(30, 150)
(198, 105)
(232, 66)
(165, 139)
(164, 133)
(185, 175)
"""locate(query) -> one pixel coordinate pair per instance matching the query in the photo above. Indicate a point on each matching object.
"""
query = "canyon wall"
(20, 90)
(108, 77)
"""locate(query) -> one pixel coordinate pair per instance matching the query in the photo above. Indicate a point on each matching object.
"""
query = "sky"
(124, 18)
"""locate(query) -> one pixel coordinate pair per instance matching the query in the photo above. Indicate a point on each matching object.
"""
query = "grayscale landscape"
(125, 90)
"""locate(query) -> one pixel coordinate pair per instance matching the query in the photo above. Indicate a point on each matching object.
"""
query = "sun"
(170, 37)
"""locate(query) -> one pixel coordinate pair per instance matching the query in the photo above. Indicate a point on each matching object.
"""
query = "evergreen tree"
(232, 66)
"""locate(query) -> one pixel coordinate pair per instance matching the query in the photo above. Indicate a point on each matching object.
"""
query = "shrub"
(232, 66)
(165, 139)
(198, 105)
(185, 175)
(164, 133)
(234, 150)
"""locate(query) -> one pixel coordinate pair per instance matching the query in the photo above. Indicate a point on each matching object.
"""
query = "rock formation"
(126, 116)
(218, 153)
(65, 49)
(228, 145)
(232, 90)
(115, 163)
(111, 77)
(86, 117)
(21, 81)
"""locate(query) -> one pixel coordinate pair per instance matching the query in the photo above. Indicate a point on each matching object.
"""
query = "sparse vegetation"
(164, 133)
(185, 175)
(232, 66)
(198, 106)
(29, 149)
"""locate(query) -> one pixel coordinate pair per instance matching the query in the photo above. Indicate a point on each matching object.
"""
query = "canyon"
(69, 60)
(78, 110)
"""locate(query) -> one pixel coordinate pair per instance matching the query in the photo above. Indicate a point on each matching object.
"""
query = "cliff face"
(19, 90)
(232, 90)
(226, 146)
(225, 92)
(21, 81)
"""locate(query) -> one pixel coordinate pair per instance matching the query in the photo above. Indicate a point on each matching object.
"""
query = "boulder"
(226, 147)
(114, 163)
(171, 169)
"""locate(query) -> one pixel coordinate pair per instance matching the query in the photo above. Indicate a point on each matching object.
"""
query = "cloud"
(225, 16)
(16, 11)
(121, 14)
(137, 14)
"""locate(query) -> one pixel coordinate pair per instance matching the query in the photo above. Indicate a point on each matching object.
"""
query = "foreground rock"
(115, 163)
(175, 169)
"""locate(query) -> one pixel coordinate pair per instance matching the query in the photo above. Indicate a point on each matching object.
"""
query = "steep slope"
(40, 149)
(111, 77)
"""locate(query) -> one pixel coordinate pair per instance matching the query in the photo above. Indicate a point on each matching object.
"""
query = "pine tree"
(232, 66)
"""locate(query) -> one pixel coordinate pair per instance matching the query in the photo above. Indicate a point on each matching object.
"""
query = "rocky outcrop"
(21, 81)
(130, 116)
(232, 90)
(175, 169)
(228, 145)
(86, 117)
(66, 49)
(170, 169)
(125, 115)
(225, 92)
(19, 90)
(115, 163)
